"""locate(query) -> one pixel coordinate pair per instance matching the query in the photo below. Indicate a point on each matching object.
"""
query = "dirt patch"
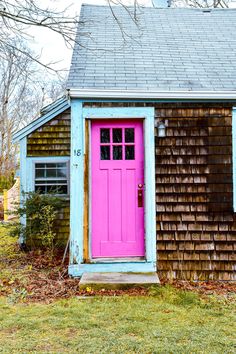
(205, 288)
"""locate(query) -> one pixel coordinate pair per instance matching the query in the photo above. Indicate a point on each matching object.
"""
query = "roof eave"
(58, 107)
(151, 95)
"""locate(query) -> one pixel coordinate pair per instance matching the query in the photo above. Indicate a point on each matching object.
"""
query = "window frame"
(53, 160)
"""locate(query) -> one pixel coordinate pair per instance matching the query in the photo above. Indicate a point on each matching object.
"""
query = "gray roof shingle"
(173, 49)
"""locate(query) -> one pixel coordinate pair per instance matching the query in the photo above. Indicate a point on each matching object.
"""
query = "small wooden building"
(144, 144)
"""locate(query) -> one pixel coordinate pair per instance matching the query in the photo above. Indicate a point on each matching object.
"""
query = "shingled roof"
(172, 49)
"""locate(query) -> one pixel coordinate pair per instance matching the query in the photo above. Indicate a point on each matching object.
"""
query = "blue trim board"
(134, 267)
(234, 156)
(78, 116)
(76, 182)
(58, 107)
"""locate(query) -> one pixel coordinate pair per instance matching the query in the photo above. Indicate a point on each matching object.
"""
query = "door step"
(114, 280)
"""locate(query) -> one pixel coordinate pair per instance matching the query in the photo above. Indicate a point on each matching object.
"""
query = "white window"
(51, 177)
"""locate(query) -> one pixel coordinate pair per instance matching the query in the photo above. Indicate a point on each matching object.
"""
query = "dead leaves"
(37, 278)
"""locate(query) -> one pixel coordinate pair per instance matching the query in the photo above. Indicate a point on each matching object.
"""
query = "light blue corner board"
(234, 156)
(56, 109)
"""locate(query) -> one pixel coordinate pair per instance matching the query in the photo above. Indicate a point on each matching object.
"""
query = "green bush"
(40, 211)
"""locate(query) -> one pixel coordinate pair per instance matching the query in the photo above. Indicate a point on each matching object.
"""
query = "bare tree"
(22, 95)
(17, 16)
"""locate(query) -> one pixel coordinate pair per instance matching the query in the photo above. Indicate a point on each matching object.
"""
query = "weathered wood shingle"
(52, 138)
(196, 226)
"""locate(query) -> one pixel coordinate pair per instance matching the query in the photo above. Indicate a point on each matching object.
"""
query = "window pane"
(117, 135)
(105, 153)
(62, 172)
(57, 189)
(129, 152)
(104, 135)
(117, 152)
(40, 165)
(129, 135)
(50, 165)
(51, 173)
(39, 173)
(62, 164)
(40, 189)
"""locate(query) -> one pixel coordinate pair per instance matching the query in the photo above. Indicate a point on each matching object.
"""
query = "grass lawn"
(150, 324)
(165, 320)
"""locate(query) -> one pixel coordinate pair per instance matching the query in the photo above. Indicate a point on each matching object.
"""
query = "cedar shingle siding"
(194, 192)
(51, 139)
(196, 225)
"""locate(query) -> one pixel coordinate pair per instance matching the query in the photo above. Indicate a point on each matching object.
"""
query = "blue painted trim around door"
(78, 116)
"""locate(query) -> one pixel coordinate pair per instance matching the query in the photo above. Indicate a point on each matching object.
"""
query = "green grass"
(118, 325)
(166, 321)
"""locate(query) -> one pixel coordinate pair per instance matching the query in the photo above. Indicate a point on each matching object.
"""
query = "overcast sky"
(50, 45)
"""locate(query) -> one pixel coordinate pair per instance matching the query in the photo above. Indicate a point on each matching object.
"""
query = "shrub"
(40, 211)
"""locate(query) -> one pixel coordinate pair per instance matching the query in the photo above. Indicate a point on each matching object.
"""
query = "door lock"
(140, 198)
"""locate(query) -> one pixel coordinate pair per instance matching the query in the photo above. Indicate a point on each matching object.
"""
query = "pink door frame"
(117, 242)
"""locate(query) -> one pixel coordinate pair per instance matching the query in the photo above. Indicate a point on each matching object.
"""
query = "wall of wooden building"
(196, 225)
(53, 139)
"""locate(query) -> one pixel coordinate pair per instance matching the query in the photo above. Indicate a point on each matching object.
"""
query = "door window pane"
(105, 135)
(117, 135)
(129, 152)
(105, 153)
(117, 152)
(129, 135)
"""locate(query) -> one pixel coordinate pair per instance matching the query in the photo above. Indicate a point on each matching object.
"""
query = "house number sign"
(77, 152)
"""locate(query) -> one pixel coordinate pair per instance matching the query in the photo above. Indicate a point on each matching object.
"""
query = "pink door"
(117, 188)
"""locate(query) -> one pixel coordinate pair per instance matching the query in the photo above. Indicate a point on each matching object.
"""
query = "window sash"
(50, 182)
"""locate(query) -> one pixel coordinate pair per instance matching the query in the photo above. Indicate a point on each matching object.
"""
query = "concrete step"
(114, 280)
